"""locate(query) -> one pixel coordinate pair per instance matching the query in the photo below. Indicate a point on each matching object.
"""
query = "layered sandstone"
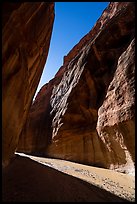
(26, 33)
(113, 9)
(90, 114)
(116, 116)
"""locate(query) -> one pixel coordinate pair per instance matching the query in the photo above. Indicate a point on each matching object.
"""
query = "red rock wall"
(74, 131)
(116, 116)
(113, 9)
(26, 33)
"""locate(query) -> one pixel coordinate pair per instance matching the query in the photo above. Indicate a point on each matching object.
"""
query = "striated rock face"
(113, 9)
(91, 99)
(39, 121)
(26, 33)
(116, 116)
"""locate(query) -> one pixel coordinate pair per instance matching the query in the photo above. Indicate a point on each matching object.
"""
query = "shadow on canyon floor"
(25, 180)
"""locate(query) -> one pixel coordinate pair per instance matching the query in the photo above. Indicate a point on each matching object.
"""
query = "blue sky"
(72, 21)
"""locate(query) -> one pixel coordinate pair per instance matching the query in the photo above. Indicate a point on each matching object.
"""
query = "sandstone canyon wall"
(86, 112)
(26, 34)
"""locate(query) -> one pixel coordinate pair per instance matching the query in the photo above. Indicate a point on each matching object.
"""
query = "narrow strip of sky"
(72, 21)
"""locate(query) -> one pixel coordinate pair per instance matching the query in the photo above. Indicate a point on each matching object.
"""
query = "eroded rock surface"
(26, 33)
(116, 117)
(80, 103)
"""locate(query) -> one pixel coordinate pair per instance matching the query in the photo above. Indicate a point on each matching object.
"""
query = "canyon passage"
(85, 114)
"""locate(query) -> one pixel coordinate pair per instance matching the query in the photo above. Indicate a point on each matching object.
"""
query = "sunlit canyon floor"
(29, 178)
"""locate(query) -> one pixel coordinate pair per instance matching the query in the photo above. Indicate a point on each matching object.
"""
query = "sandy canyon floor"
(36, 179)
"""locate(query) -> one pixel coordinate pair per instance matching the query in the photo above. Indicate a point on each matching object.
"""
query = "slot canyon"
(84, 116)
